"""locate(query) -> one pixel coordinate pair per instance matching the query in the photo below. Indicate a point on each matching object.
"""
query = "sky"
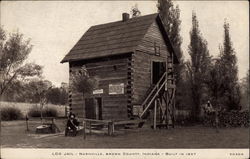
(55, 26)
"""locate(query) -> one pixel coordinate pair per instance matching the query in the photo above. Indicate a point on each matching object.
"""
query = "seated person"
(72, 125)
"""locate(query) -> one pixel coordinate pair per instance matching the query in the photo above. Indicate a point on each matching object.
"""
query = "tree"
(215, 82)
(53, 96)
(57, 95)
(229, 71)
(198, 66)
(166, 11)
(36, 90)
(13, 52)
(63, 96)
(245, 92)
(170, 16)
(16, 92)
(82, 82)
(39, 89)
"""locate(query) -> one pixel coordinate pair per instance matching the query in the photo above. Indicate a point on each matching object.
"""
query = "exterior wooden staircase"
(162, 99)
(153, 95)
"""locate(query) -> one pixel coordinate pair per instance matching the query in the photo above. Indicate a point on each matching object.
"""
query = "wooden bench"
(88, 123)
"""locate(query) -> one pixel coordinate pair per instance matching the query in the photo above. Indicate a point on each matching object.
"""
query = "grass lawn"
(14, 135)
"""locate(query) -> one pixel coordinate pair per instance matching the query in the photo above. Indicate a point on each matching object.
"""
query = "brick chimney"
(125, 17)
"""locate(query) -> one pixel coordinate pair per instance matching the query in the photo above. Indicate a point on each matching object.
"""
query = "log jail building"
(133, 60)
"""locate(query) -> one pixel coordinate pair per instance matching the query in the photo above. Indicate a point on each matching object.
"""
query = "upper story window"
(157, 49)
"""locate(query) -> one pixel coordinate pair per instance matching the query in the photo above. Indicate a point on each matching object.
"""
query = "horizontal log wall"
(153, 38)
(142, 78)
(76, 101)
(107, 71)
(145, 54)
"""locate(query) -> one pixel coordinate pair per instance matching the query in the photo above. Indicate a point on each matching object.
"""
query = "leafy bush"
(230, 119)
(11, 113)
(34, 112)
(50, 112)
(46, 112)
(234, 119)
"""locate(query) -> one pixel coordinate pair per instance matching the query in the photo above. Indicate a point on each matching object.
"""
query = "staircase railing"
(148, 101)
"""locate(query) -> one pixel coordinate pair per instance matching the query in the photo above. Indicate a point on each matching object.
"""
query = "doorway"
(93, 108)
(158, 69)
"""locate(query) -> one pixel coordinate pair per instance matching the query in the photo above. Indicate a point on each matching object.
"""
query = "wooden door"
(93, 108)
(158, 69)
(98, 102)
(90, 108)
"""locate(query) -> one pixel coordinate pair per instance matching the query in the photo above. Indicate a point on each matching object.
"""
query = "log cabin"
(133, 59)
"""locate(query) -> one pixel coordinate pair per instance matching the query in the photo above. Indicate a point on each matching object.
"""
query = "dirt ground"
(14, 135)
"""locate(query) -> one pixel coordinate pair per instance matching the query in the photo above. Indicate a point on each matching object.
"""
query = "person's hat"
(72, 115)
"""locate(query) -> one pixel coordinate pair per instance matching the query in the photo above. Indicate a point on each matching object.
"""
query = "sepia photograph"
(124, 79)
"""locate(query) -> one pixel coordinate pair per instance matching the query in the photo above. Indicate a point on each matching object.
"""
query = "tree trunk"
(41, 104)
(196, 101)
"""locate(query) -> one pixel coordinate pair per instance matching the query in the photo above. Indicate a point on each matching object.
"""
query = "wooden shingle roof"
(110, 39)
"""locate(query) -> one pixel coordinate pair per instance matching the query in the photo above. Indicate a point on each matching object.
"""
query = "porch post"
(155, 109)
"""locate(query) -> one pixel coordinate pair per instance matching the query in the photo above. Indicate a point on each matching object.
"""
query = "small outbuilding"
(133, 60)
